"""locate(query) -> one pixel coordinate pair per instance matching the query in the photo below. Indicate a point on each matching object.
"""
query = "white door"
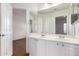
(6, 29)
(0, 29)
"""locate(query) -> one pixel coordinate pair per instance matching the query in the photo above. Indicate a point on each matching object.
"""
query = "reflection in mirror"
(56, 22)
(75, 24)
(65, 27)
(74, 17)
(31, 26)
(61, 25)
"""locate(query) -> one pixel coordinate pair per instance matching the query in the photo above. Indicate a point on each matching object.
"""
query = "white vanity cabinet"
(55, 48)
(44, 47)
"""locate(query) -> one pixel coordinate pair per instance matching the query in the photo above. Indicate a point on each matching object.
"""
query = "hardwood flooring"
(19, 47)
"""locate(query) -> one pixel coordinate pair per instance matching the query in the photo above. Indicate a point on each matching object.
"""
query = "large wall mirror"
(64, 21)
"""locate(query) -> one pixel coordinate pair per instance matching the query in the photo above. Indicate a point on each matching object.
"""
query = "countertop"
(55, 37)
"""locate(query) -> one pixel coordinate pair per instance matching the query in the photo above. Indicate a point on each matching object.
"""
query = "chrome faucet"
(61, 36)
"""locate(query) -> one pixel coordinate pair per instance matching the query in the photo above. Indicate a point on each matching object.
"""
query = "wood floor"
(19, 47)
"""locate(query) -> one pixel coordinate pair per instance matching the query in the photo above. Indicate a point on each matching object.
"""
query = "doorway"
(61, 25)
(19, 32)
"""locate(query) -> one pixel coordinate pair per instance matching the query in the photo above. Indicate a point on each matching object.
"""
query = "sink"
(42, 35)
(61, 36)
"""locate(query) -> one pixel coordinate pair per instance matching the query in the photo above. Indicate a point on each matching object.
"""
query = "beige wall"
(19, 24)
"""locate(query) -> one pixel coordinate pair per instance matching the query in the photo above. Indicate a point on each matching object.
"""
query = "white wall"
(19, 24)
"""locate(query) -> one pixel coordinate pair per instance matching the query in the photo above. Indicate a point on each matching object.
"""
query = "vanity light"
(51, 4)
(48, 5)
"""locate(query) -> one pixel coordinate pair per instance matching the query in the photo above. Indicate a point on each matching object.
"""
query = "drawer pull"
(62, 44)
(56, 43)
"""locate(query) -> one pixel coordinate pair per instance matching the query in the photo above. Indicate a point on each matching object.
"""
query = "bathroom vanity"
(63, 42)
(53, 45)
(63, 26)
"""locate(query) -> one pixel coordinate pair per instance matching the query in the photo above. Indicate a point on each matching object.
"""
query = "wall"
(19, 24)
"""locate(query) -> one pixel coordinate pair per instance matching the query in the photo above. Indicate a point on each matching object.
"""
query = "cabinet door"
(41, 47)
(33, 47)
(76, 50)
(62, 49)
(69, 49)
(72, 50)
(53, 48)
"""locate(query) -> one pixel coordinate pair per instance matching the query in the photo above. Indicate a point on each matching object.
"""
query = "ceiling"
(28, 6)
(40, 7)
(55, 8)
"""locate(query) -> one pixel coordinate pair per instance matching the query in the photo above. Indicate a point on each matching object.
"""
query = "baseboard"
(19, 39)
(27, 54)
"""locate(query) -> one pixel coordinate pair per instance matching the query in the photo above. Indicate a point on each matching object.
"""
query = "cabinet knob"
(56, 43)
(62, 44)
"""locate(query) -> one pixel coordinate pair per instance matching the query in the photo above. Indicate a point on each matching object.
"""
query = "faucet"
(61, 36)
(42, 34)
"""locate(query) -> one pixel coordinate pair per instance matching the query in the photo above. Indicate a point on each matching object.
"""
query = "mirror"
(62, 21)
(61, 25)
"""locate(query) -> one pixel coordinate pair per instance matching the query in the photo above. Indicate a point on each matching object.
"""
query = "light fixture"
(47, 5)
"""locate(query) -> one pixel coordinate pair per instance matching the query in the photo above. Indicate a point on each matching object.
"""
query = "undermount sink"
(43, 35)
(61, 36)
(64, 38)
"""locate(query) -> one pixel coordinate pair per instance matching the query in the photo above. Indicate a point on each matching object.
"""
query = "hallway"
(19, 47)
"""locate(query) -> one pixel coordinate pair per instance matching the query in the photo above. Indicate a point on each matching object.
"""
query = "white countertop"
(56, 37)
